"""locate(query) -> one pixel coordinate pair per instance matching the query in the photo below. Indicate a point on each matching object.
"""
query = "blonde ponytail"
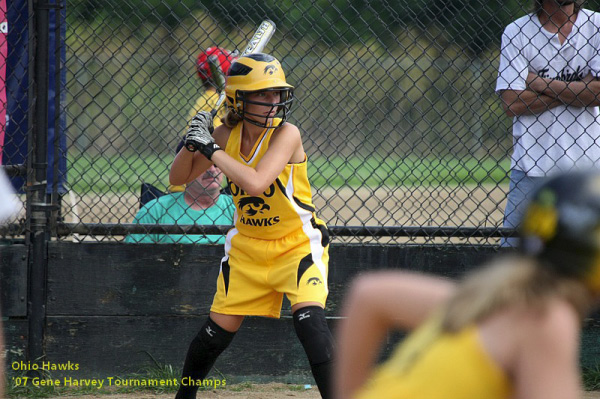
(509, 281)
(231, 119)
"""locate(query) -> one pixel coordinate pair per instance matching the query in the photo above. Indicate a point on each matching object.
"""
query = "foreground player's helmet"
(561, 226)
(252, 73)
(203, 67)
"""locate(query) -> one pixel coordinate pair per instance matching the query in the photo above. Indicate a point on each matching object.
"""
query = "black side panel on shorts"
(226, 269)
(303, 266)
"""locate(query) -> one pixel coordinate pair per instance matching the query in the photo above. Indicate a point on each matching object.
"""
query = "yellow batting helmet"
(254, 73)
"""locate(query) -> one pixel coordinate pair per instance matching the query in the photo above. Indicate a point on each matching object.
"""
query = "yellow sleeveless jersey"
(434, 365)
(286, 205)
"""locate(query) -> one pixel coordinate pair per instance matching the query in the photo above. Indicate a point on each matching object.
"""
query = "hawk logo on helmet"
(254, 73)
(270, 70)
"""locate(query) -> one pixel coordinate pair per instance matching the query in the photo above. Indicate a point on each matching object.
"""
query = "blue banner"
(17, 87)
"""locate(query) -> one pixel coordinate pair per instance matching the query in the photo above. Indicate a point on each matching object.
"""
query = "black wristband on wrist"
(209, 149)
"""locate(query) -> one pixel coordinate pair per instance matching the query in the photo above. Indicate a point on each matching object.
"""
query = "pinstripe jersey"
(284, 207)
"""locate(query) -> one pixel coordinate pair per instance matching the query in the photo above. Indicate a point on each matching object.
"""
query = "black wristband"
(209, 149)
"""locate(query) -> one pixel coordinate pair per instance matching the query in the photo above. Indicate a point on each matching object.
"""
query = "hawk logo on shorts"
(314, 281)
(270, 69)
(253, 205)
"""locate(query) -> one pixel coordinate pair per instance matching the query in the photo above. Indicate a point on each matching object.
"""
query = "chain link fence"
(406, 138)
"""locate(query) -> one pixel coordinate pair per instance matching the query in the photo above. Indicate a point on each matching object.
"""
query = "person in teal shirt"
(200, 203)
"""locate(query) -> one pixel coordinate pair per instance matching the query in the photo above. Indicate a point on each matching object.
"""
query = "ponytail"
(511, 281)
(231, 118)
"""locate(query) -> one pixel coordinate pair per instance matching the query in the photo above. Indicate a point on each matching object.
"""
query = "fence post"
(36, 187)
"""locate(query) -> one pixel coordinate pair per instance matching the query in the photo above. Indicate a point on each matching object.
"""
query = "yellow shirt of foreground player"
(434, 365)
(285, 206)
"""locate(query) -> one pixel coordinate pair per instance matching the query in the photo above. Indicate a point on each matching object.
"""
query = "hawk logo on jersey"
(253, 205)
(270, 70)
(314, 281)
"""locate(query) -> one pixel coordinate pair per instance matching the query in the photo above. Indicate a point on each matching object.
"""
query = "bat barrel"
(217, 73)
(261, 37)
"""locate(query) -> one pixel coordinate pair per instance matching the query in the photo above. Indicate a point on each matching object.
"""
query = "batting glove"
(198, 137)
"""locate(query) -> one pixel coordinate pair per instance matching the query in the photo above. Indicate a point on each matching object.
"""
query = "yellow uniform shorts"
(256, 273)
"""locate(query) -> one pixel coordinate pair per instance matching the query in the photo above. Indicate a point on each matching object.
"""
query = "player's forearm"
(187, 166)
(527, 102)
(359, 339)
(181, 167)
(579, 94)
(378, 303)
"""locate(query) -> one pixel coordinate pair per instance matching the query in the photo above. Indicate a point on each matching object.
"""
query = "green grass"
(242, 386)
(377, 171)
(116, 174)
(292, 387)
(121, 174)
(591, 378)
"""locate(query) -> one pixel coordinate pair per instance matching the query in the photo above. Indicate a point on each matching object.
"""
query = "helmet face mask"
(285, 104)
(257, 73)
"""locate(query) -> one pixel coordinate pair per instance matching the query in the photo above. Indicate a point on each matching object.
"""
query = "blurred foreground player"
(509, 330)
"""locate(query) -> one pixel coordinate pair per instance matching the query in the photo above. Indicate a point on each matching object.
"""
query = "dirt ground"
(246, 391)
(242, 391)
(410, 206)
